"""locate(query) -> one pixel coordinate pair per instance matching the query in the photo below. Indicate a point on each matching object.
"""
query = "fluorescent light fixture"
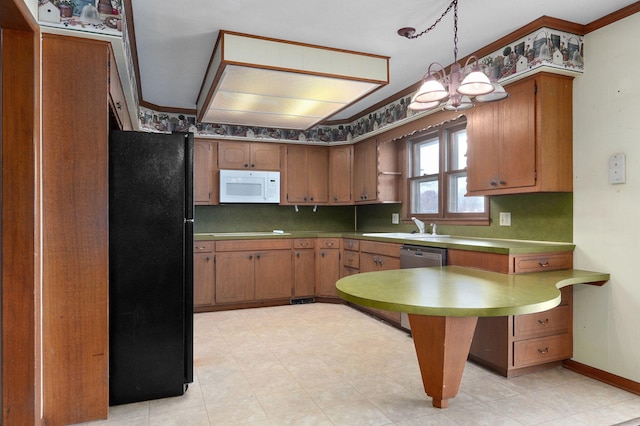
(257, 81)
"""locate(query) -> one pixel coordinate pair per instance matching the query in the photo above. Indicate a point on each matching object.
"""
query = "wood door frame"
(20, 227)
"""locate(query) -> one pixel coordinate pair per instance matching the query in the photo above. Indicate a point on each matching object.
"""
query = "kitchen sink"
(404, 236)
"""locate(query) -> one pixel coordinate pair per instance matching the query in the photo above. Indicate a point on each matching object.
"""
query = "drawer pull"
(543, 351)
(329, 244)
(544, 321)
(543, 264)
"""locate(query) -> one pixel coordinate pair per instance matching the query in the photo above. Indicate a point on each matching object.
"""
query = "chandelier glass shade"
(461, 87)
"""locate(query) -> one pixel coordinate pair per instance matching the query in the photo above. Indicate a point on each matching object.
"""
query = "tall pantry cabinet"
(76, 88)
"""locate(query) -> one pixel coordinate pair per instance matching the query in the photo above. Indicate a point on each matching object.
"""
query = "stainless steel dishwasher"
(419, 257)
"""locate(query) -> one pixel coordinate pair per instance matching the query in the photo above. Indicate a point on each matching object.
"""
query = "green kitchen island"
(444, 303)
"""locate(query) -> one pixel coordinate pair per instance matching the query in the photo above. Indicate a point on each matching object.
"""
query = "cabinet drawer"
(304, 243)
(252, 245)
(351, 244)
(386, 249)
(545, 323)
(329, 243)
(542, 262)
(542, 350)
(203, 246)
(351, 259)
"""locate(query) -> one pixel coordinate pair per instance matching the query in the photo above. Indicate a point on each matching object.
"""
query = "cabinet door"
(370, 262)
(273, 274)
(340, 174)
(304, 272)
(117, 101)
(234, 155)
(365, 176)
(517, 154)
(234, 277)
(502, 143)
(327, 272)
(204, 172)
(265, 156)
(483, 147)
(318, 174)
(203, 279)
(296, 174)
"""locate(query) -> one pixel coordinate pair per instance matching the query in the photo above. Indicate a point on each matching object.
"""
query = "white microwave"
(249, 186)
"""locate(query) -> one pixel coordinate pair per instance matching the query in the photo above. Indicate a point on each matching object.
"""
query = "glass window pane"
(425, 198)
(428, 158)
(459, 150)
(458, 203)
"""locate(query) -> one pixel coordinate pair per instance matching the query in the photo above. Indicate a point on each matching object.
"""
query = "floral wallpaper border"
(545, 47)
(95, 16)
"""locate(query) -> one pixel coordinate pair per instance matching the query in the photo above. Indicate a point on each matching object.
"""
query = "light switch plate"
(617, 166)
(505, 219)
(395, 218)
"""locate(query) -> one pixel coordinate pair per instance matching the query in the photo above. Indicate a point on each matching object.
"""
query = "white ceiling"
(175, 39)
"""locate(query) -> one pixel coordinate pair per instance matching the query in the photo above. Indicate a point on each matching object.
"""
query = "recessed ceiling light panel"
(263, 82)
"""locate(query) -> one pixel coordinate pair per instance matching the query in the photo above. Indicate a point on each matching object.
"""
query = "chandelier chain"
(453, 5)
(455, 30)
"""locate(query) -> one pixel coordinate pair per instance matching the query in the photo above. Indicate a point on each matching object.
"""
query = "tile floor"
(323, 364)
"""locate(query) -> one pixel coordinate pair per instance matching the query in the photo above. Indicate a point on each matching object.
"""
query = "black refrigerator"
(150, 265)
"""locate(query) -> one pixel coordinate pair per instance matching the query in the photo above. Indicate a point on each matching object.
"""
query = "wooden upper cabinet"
(341, 174)
(248, 155)
(307, 174)
(117, 101)
(522, 144)
(365, 168)
(205, 171)
(376, 172)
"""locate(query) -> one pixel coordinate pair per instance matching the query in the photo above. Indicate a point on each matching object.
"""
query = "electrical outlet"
(505, 219)
(395, 218)
(617, 169)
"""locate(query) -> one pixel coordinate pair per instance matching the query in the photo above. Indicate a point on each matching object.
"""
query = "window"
(438, 176)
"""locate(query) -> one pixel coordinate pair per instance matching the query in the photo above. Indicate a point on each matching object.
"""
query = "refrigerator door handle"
(188, 221)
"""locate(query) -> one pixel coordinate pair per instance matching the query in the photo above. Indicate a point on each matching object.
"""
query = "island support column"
(442, 346)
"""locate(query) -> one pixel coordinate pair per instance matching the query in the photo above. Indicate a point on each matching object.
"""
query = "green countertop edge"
(381, 290)
(489, 245)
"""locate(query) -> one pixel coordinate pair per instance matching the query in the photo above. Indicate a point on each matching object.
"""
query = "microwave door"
(245, 190)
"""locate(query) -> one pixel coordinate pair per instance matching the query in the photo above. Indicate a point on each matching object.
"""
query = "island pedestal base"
(442, 346)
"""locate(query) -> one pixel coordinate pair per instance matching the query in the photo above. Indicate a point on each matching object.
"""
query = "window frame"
(444, 133)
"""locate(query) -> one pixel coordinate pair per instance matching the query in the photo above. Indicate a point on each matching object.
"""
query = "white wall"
(607, 217)
(33, 7)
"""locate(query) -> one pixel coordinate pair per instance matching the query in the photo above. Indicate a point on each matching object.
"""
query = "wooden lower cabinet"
(203, 274)
(253, 270)
(520, 344)
(273, 274)
(327, 266)
(235, 277)
(376, 256)
(304, 273)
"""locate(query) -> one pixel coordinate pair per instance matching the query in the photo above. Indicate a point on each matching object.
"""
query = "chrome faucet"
(419, 224)
(434, 228)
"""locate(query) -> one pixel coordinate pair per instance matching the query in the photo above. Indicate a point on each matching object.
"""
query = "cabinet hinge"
(535, 88)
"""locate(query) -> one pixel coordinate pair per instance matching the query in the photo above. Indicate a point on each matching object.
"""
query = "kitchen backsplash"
(544, 217)
(267, 217)
(541, 216)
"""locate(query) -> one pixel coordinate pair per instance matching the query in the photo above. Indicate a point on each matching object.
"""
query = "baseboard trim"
(602, 376)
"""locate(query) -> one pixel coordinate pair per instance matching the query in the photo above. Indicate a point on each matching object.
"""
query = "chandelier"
(454, 91)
